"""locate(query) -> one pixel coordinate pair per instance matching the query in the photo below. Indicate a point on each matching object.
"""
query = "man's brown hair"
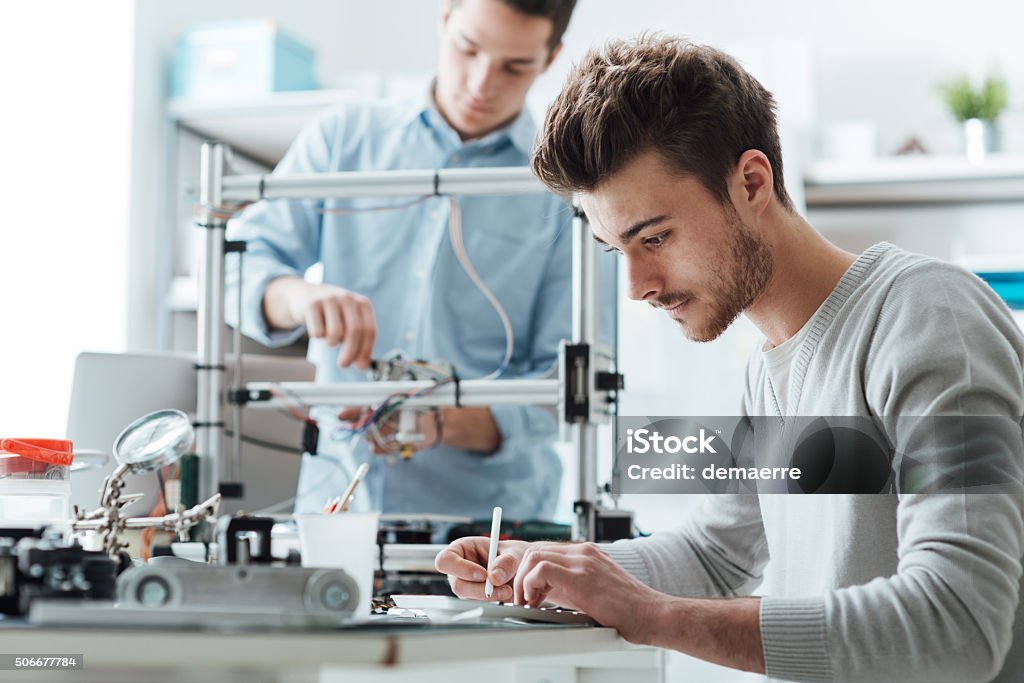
(558, 11)
(692, 104)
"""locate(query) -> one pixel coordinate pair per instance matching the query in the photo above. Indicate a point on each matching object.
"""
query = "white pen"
(346, 497)
(492, 550)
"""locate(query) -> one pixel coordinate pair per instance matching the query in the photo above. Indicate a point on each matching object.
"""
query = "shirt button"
(409, 335)
(435, 214)
(421, 274)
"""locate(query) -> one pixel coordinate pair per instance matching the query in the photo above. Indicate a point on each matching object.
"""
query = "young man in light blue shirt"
(392, 280)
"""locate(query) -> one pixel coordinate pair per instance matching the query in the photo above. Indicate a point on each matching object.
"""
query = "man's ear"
(753, 181)
(551, 56)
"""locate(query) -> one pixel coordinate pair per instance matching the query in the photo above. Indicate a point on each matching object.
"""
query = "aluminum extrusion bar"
(511, 180)
(471, 393)
(219, 190)
(585, 313)
(210, 328)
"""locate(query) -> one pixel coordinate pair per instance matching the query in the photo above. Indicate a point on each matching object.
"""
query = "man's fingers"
(517, 586)
(471, 590)
(355, 331)
(453, 561)
(533, 556)
(314, 322)
(503, 569)
(370, 323)
(501, 594)
(542, 579)
(334, 324)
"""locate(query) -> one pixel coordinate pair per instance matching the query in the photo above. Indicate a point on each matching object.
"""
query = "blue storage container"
(1009, 285)
(240, 58)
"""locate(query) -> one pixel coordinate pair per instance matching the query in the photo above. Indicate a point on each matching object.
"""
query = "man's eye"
(610, 249)
(655, 240)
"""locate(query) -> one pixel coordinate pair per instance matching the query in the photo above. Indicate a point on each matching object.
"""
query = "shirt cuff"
(626, 554)
(255, 324)
(794, 641)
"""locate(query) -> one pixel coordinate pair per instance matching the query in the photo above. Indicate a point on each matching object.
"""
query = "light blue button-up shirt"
(425, 304)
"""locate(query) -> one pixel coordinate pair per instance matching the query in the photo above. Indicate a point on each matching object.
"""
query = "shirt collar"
(520, 131)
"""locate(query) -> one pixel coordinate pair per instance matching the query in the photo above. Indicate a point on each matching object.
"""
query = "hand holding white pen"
(492, 550)
(574, 576)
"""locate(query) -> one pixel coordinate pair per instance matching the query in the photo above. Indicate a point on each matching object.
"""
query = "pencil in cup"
(341, 503)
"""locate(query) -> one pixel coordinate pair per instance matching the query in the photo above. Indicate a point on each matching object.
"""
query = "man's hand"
(332, 313)
(577, 576)
(427, 427)
(465, 560)
(583, 577)
(472, 429)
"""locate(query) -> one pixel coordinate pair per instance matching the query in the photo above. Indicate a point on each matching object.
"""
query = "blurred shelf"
(259, 127)
(915, 180)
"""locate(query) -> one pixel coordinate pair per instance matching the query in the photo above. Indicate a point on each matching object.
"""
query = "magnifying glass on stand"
(153, 441)
(149, 443)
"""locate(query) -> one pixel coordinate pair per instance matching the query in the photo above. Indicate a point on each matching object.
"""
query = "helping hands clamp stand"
(151, 442)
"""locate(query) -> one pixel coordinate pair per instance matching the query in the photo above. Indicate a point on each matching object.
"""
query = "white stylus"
(492, 550)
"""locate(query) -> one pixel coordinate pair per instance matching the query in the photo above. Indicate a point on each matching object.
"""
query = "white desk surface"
(280, 650)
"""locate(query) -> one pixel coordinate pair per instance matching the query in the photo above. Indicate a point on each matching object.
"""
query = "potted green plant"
(977, 110)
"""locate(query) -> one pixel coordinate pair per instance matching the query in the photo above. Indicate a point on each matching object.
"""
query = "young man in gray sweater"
(674, 150)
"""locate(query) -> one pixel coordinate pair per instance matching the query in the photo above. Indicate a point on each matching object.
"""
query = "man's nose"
(482, 77)
(644, 283)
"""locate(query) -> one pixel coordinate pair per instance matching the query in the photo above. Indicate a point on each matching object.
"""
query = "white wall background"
(64, 180)
(876, 60)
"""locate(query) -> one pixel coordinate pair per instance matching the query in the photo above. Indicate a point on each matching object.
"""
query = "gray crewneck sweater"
(875, 587)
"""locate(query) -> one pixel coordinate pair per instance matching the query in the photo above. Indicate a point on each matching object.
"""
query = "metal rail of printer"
(412, 183)
(473, 392)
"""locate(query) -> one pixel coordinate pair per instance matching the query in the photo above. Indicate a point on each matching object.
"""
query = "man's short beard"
(738, 283)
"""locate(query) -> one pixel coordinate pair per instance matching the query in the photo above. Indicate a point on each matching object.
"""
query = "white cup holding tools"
(345, 541)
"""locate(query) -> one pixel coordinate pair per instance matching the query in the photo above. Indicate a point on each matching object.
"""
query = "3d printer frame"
(588, 383)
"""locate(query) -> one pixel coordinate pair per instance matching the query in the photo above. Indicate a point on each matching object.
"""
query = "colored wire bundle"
(370, 422)
(224, 213)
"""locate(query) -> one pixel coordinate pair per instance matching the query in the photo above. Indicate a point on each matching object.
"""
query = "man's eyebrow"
(633, 231)
(523, 61)
(636, 228)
